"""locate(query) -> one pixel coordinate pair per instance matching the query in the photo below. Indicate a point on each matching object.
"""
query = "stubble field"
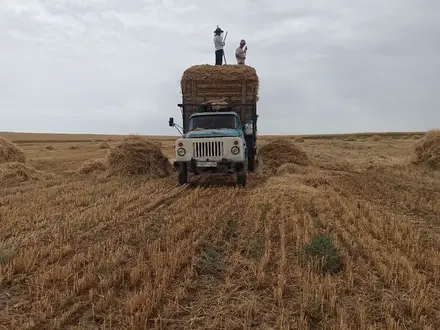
(80, 249)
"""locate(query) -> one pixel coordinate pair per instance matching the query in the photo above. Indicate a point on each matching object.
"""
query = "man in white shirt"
(218, 44)
(240, 52)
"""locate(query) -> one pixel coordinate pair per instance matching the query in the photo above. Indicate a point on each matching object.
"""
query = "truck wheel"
(242, 177)
(183, 174)
(251, 164)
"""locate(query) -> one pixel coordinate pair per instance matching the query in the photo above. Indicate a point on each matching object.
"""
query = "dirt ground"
(82, 250)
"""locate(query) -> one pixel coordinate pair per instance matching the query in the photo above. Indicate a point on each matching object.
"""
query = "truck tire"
(183, 175)
(242, 177)
(251, 164)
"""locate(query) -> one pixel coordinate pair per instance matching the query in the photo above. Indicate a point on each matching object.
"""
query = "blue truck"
(219, 131)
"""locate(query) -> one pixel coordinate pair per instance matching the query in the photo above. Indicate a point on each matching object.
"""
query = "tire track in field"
(56, 244)
(127, 218)
(28, 191)
(175, 228)
(60, 196)
(121, 217)
(190, 224)
(43, 219)
(232, 201)
(178, 236)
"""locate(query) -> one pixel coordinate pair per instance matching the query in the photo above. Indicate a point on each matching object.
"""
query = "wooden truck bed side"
(241, 95)
(195, 92)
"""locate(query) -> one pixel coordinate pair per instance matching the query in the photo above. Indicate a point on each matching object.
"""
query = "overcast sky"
(114, 66)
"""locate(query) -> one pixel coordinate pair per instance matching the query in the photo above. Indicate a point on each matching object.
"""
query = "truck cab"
(213, 142)
(218, 124)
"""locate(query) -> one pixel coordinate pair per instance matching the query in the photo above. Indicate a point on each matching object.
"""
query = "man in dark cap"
(218, 44)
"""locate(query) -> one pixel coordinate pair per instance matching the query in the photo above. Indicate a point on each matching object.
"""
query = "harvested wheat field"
(83, 249)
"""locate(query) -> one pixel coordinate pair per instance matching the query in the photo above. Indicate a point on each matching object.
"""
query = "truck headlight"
(181, 152)
(235, 150)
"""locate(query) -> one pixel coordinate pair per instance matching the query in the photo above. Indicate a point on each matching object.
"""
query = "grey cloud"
(115, 66)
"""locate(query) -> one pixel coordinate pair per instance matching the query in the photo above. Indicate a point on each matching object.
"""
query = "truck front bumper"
(197, 166)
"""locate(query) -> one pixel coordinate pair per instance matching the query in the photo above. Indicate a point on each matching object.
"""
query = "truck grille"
(206, 149)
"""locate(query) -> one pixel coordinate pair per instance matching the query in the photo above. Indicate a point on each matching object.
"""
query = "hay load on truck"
(219, 115)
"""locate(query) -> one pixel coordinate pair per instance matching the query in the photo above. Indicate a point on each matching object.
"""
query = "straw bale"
(93, 165)
(104, 145)
(290, 168)
(10, 152)
(375, 138)
(216, 102)
(220, 73)
(14, 172)
(136, 155)
(427, 150)
(279, 152)
(228, 72)
(336, 165)
(157, 143)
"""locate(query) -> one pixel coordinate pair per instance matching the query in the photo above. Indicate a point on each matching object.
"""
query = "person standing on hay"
(219, 44)
(240, 52)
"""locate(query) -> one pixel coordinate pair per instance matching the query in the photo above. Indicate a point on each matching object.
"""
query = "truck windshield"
(212, 122)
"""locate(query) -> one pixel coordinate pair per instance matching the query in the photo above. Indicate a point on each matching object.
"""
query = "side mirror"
(248, 128)
(171, 122)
